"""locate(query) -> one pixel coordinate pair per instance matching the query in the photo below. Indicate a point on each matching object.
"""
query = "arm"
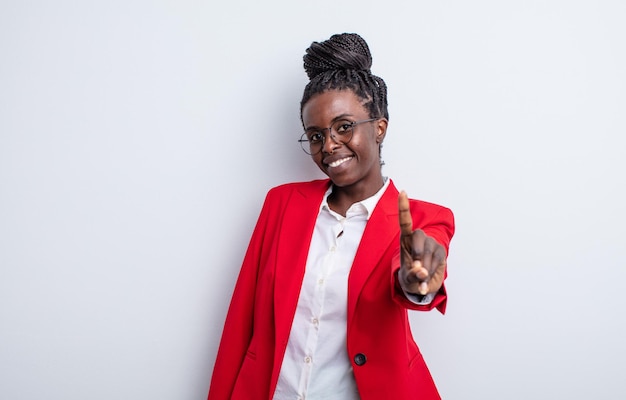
(239, 322)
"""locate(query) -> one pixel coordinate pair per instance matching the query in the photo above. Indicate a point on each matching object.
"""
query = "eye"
(315, 136)
(343, 127)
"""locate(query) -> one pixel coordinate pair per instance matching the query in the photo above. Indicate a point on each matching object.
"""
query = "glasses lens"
(342, 131)
(311, 148)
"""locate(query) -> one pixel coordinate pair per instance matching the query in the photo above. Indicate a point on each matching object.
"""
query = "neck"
(342, 198)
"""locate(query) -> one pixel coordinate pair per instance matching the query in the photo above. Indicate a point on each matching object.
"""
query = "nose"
(330, 143)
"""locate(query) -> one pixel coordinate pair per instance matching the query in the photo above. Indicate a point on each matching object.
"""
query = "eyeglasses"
(313, 139)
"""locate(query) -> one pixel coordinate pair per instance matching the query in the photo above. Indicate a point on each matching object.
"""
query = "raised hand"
(423, 260)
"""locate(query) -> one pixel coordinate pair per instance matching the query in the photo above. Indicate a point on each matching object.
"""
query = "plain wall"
(138, 140)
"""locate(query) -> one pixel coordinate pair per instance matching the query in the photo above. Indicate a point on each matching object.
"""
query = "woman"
(319, 310)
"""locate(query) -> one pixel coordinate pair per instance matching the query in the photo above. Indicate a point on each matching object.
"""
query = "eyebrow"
(337, 118)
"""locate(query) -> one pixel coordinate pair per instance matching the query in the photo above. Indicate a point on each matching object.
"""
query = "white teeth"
(339, 162)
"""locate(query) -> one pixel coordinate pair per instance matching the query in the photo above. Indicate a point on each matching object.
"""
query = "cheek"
(369, 145)
(317, 159)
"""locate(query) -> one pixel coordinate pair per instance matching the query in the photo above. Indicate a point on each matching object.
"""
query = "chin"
(341, 181)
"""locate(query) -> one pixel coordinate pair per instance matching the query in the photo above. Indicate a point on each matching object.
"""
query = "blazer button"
(360, 359)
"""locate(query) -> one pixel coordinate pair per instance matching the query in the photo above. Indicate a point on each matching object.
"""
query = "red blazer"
(264, 301)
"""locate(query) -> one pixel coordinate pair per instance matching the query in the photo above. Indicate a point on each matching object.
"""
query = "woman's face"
(353, 164)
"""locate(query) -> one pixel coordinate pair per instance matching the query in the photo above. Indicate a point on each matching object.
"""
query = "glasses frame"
(306, 144)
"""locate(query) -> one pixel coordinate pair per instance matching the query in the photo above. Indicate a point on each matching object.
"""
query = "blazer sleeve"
(237, 331)
(438, 223)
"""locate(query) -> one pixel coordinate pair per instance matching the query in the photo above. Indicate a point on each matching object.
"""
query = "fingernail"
(417, 264)
(423, 288)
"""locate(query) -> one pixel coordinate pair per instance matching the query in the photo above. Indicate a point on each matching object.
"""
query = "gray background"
(138, 139)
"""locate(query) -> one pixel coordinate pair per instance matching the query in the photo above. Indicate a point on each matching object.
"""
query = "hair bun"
(340, 52)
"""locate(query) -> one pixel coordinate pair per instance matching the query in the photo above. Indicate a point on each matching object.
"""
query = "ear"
(381, 130)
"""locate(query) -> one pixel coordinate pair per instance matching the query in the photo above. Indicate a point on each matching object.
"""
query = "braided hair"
(344, 62)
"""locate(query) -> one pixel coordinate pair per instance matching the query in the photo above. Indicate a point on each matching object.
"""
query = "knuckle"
(417, 252)
(440, 252)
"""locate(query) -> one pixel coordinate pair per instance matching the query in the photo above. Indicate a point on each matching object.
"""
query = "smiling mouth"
(339, 162)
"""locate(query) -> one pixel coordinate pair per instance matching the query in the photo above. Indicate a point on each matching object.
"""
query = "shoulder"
(286, 194)
(425, 213)
(310, 187)
(295, 197)
(428, 206)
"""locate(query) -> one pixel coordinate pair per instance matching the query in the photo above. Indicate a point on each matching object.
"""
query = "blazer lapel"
(381, 229)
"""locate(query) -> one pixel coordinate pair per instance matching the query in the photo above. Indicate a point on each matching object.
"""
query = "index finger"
(406, 222)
